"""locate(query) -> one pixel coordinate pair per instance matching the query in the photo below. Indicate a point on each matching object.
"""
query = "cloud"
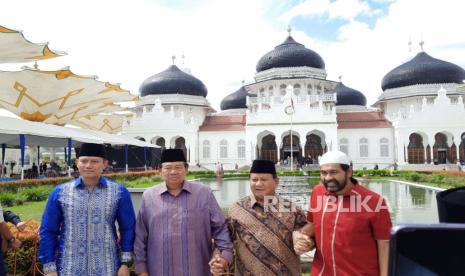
(364, 54)
(343, 9)
(128, 41)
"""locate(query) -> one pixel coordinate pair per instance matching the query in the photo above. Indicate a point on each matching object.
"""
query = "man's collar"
(186, 185)
(254, 201)
(79, 183)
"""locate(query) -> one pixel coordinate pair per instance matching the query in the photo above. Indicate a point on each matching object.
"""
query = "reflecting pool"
(407, 204)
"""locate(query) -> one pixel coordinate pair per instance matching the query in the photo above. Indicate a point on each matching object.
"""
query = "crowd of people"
(181, 230)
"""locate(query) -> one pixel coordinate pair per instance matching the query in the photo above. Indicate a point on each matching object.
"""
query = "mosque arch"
(159, 141)
(269, 149)
(462, 148)
(443, 152)
(416, 149)
(179, 142)
(315, 144)
(286, 150)
(140, 138)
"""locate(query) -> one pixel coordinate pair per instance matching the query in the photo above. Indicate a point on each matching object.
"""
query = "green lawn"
(29, 210)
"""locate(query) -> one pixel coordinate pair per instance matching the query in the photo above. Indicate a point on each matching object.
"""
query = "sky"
(126, 42)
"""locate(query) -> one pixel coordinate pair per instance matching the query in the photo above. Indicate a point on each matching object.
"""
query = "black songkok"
(90, 149)
(263, 166)
(172, 155)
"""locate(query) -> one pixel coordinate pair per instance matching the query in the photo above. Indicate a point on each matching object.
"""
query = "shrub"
(37, 194)
(20, 199)
(437, 178)
(7, 199)
(415, 177)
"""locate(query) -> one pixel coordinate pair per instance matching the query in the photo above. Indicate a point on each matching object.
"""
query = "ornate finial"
(409, 44)
(36, 66)
(340, 78)
(243, 82)
(289, 29)
(421, 43)
(183, 58)
(173, 57)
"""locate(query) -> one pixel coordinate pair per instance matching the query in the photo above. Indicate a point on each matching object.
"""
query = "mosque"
(293, 112)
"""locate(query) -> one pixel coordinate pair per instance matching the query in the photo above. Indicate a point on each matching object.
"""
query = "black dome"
(236, 99)
(290, 54)
(349, 96)
(423, 69)
(173, 81)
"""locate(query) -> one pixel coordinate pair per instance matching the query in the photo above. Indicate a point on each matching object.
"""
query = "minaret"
(184, 67)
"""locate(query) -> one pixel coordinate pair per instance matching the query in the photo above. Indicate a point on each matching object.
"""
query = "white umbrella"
(15, 48)
(37, 95)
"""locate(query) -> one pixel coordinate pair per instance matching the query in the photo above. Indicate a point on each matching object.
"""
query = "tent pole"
(3, 159)
(22, 144)
(126, 157)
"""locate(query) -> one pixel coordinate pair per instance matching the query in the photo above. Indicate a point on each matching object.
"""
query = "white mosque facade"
(293, 110)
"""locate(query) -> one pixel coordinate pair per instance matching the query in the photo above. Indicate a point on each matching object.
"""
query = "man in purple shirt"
(176, 223)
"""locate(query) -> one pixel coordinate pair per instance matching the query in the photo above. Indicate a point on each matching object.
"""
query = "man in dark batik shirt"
(262, 225)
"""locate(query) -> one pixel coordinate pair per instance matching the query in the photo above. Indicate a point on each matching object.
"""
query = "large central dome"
(423, 69)
(173, 81)
(290, 54)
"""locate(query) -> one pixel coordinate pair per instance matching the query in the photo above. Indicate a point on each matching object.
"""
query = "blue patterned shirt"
(78, 232)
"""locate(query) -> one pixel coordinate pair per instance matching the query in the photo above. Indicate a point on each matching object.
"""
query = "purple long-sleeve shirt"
(174, 234)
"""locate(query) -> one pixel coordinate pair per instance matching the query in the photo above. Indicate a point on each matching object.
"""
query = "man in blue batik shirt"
(78, 233)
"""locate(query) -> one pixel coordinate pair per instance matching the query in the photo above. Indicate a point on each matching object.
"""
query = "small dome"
(349, 96)
(290, 54)
(423, 69)
(173, 81)
(235, 100)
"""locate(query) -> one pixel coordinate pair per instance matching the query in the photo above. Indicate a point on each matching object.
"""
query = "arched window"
(384, 147)
(241, 149)
(363, 144)
(297, 90)
(282, 89)
(206, 149)
(270, 91)
(223, 149)
(344, 145)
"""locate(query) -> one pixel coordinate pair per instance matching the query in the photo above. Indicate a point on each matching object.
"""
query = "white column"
(405, 154)
(425, 153)
(432, 156)
(302, 145)
(278, 146)
(457, 149)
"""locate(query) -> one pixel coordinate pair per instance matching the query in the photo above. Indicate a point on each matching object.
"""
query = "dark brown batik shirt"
(262, 236)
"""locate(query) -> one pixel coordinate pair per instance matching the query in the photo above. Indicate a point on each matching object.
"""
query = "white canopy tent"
(41, 134)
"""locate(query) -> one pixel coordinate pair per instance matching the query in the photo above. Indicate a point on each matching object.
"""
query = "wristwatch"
(128, 264)
(12, 240)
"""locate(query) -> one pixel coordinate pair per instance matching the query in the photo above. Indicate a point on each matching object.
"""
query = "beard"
(334, 185)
